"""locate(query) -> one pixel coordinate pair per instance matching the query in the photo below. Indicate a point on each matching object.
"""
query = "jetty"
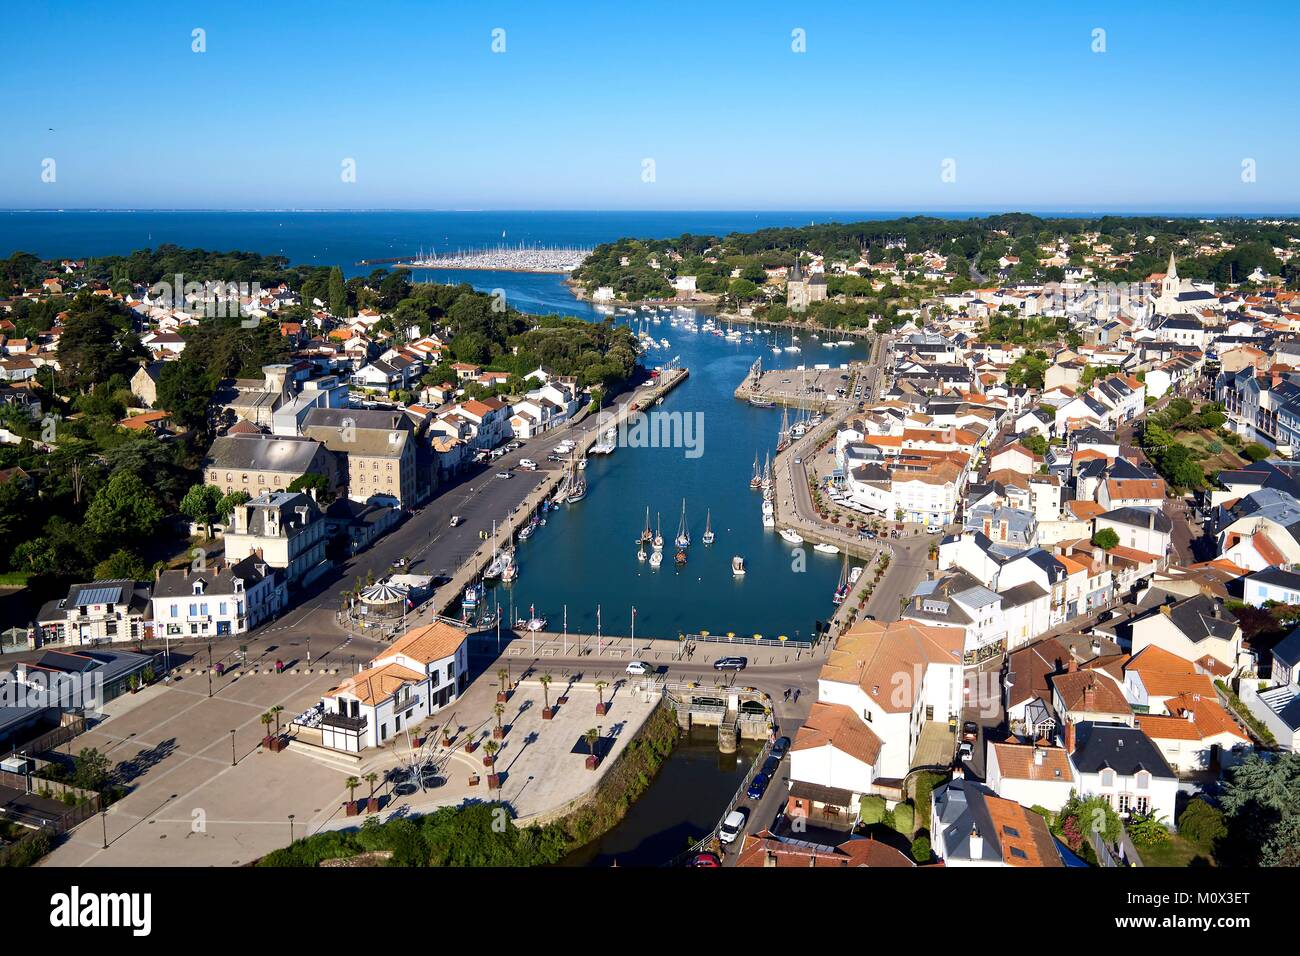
(812, 387)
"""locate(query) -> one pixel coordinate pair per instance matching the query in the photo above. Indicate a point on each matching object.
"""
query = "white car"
(527, 464)
(733, 826)
(966, 751)
(455, 520)
(638, 668)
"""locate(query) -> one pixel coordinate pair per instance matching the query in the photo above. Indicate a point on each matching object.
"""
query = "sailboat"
(646, 534)
(497, 564)
(767, 473)
(842, 590)
(757, 481)
(683, 539)
(658, 540)
(708, 528)
(577, 483)
(783, 436)
(640, 551)
(656, 558)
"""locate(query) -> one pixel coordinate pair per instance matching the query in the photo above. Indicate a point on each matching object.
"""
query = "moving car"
(757, 787)
(639, 668)
(730, 663)
(733, 826)
(527, 464)
(455, 520)
(504, 474)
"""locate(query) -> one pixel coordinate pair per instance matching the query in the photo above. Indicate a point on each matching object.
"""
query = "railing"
(343, 722)
(751, 641)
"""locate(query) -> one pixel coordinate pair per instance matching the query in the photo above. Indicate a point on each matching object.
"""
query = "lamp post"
(291, 829)
(232, 748)
(103, 816)
(209, 669)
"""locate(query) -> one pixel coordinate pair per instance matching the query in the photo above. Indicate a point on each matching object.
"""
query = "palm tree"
(600, 694)
(591, 736)
(266, 722)
(352, 783)
(490, 748)
(277, 710)
(503, 678)
(499, 709)
(545, 681)
(371, 778)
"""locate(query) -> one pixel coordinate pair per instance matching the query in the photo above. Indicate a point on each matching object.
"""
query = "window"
(1108, 778)
(1123, 803)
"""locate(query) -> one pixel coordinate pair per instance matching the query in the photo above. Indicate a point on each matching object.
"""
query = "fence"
(740, 794)
(71, 727)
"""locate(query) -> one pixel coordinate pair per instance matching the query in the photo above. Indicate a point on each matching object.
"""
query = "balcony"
(335, 721)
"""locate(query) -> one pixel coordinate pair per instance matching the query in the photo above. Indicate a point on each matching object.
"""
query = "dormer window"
(198, 587)
(1108, 778)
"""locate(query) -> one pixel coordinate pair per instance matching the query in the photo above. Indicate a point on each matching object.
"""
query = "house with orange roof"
(832, 765)
(1035, 774)
(900, 677)
(766, 849)
(1087, 694)
(420, 673)
(1197, 734)
(970, 825)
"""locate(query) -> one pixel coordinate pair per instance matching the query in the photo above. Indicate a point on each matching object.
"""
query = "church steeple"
(1172, 271)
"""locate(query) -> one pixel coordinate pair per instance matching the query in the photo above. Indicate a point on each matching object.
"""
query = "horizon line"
(1181, 212)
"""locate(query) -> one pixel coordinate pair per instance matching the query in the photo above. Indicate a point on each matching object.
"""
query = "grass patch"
(1177, 851)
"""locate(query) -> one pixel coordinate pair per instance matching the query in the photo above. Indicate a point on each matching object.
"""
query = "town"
(1067, 640)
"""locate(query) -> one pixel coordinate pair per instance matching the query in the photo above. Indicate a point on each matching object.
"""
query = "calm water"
(661, 824)
(344, 238)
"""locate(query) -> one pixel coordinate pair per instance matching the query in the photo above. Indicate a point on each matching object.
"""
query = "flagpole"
(566, 631)
(634, 630)
(598, 642)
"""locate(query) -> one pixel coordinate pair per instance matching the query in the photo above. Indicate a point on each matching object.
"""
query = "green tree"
(125, 509)
(1106, 538)
(1261, 801)
(91, 770)
(229, 502)
(337, 292)
(201, 504)
(122, 564)
(312, 482)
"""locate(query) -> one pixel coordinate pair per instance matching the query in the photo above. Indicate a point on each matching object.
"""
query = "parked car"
(504, 474)
(455, 520)
(730, 663)
(966, 751)
(770, 766)
(757, 787)
(527, 464)
(780, 747)
(399, 564)
(970, 731)
(733, 826)
(639, 668)
(704, 860)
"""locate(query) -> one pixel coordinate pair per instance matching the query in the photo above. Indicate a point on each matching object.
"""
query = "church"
(801, 292)
(1179, 295)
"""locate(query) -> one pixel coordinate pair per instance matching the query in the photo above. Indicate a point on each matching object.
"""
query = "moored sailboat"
(683, 539)
(708, 527)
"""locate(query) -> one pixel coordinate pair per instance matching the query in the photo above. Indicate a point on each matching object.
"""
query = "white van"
(527, 464)
(733, 826)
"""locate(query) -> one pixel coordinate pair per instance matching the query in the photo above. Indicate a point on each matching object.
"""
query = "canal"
(682, 804)
(583, 563)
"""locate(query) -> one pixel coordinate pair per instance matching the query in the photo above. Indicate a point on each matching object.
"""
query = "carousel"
(381, 604)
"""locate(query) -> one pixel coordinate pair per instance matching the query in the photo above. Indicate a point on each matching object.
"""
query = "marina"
(815, 388)
(503, 258)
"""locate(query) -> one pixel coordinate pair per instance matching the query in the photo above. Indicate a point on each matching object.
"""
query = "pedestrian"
(796, 695)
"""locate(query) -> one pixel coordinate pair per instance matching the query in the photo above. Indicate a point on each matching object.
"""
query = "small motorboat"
(738, 566)
(769, 521)
(826, 548)
(794, 537)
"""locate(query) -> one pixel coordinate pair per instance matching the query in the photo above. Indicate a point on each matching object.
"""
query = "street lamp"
(291, 829)
(232, 748)
(103, 816)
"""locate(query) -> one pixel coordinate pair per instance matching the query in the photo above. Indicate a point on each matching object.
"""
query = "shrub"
(1148, 830)
(921, 849)
(1255, 452)
(872, 809)
(1202, 823)
(1106, 539)
(904, 818)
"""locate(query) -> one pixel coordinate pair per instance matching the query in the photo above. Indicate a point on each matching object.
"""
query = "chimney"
(1072, 667)
(769, 858)
(976, 844)
(1151, 520)
(1096, 647)
(1069, 736)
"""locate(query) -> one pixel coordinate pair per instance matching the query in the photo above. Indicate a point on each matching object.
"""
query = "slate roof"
(1124, 750)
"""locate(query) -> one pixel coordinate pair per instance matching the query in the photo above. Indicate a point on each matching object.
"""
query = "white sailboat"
(658, 541)
(708, 527)
(683, 539)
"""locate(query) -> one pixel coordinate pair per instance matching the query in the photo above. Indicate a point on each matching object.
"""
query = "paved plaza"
(189, 805)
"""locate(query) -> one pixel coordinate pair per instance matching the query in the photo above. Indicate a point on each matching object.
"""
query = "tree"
(229, 502)
(337, 292)
(1202, 823)
(125, 509)
(545, 681)
(122, 564)
(592, 737)
(921, 849)
(201, 505)
(1261, 801)
(310, 482)
(1106, 538)
(91, 770)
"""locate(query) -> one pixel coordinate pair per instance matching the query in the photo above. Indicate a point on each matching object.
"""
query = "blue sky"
(711, 92)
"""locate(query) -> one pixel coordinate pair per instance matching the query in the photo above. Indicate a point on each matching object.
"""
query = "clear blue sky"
(712, 92)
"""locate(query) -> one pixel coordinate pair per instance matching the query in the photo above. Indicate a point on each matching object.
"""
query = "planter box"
(494, 781)
(602, 710)
(352, 807)
(498, 733)
(503, 696)
(446, 741)
(592, 761)
(489, 761)
(548, 713)
(469, 746)
(473, 780)
(561, 701)
(372, 805)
